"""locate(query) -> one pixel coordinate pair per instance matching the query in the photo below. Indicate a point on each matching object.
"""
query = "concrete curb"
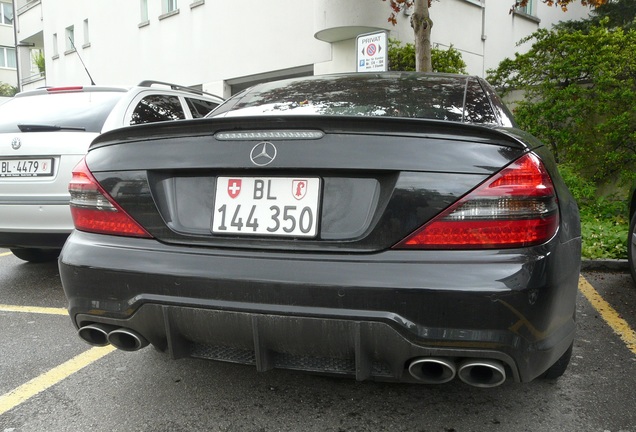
(611, 265)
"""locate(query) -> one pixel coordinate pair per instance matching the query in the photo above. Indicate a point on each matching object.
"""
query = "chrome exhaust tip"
(95, 334)
(482, 373)
(432, 370)
(126, 339)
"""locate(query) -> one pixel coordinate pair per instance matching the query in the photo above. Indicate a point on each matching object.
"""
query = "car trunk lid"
(373, 181)
(34, 164)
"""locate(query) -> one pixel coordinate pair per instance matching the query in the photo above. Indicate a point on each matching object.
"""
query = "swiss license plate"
(26, 167)
(275, 206)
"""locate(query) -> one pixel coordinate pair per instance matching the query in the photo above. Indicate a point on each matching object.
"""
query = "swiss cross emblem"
(233, 187)
(299, 189)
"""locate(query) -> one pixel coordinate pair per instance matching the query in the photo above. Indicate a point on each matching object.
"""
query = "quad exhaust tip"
(97, 334)
(432, 370)
(126, 339)
(482, 373)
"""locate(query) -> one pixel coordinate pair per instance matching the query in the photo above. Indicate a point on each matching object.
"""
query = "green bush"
(579, 97)
(583, 190)
(402, 58)
(603, 239)
(7, 90)
(604, 220)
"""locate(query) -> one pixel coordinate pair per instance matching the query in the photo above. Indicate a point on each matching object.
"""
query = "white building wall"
(8, 76)
(460, 23)
(551, 15)
(224, 45)
(208, 43)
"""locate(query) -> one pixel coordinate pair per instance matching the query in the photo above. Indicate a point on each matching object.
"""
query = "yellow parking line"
(5, 254)
(48, 379)
(33, 309)
(613, 319)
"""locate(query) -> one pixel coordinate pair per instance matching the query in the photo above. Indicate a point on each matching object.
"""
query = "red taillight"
(94, 211)
(516, 208)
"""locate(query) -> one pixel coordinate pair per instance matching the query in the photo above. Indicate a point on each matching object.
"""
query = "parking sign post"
(371, 50)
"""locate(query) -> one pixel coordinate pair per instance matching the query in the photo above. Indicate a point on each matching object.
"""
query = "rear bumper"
(35, 225)
(353, 314)
(43, 240)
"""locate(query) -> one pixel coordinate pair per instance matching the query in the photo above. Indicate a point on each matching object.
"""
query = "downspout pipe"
(15, 43)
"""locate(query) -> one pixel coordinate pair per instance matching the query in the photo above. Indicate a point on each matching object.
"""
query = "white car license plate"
(276, 206)
(26, 167)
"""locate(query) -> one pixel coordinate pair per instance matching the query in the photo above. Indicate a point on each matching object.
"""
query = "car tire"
(34, 255)
(631, 247)
(558, 368)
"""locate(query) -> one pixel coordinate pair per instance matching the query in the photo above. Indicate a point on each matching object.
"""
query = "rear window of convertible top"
(431, 97)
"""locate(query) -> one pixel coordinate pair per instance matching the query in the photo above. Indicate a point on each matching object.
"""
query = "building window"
(7, 57)
(55, 50)
(70, 38)
(87, 41)
(6, 13)
(528, 9)
(143, 8)
(37, 61)
(169, 6)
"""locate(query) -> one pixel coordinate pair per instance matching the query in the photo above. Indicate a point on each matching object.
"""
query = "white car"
(44, 133)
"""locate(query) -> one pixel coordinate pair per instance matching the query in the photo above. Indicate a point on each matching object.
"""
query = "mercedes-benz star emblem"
(16, 143)
(263, 153)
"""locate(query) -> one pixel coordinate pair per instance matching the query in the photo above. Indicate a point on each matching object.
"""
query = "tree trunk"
(422, 24)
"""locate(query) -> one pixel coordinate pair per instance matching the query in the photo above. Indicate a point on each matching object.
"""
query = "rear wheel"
(36, 255)
(557, 369)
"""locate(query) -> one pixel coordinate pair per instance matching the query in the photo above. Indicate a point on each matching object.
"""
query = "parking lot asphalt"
(52, 381)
